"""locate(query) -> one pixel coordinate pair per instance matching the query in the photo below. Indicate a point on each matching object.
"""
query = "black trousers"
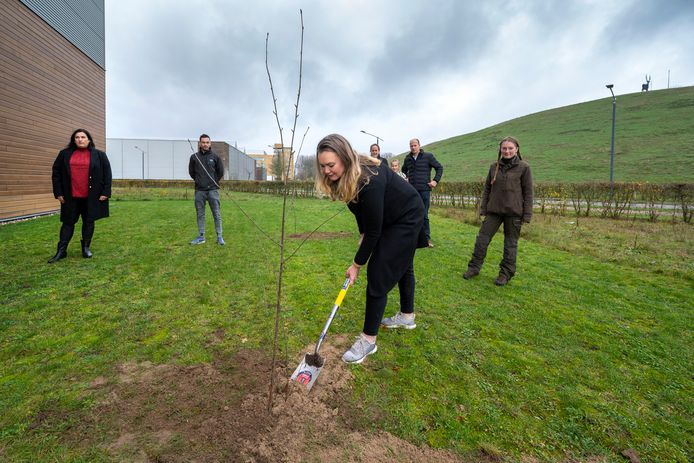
(68, 227)
(376, 305)
(491, 224)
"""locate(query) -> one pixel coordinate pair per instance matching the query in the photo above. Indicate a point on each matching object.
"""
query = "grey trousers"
(491, 224)
(212, 197)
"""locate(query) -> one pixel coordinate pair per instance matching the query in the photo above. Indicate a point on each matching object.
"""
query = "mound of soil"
(218, 412)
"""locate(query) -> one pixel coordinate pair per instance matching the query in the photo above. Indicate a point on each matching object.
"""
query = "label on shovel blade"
(306, 374)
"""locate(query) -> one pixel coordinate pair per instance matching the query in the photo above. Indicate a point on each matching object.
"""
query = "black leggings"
(376, 306)
(68, 227)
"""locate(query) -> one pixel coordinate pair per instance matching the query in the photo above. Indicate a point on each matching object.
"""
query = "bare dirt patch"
(218, 412)
(321, 235)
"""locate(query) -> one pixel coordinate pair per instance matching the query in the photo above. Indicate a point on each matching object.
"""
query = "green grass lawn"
(587, 352)
(572, 143)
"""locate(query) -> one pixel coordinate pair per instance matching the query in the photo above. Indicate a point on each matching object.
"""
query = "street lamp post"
(377, 137)
(143, 161)
(614, 118)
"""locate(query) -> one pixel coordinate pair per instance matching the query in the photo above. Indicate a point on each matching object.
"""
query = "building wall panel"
(168, 159)
(81, 22)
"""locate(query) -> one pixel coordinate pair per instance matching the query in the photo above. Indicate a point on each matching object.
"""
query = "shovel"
(308, 370)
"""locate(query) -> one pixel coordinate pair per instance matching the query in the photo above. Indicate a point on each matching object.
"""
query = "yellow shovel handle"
(341, 294)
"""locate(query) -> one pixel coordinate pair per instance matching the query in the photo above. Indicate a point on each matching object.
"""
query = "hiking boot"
(199, 240)
(501, 280)
(471, 273)
(220, 241)
(399, 321)
(359, 350)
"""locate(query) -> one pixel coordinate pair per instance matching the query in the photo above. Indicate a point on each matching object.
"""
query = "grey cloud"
(173, 67)
(444, 36)
(644, 20)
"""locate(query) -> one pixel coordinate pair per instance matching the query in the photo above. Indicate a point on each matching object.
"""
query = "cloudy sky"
(398, 69)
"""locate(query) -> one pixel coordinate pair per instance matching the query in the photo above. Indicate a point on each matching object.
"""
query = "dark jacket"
(512, 193)
(385, 201)
(419, 171)
(390, 214)
(208, 174)
(99, 184)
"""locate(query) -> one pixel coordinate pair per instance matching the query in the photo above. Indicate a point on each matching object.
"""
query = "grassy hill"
(572, 144)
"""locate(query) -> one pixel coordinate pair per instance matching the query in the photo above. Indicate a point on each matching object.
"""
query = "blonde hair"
(498, 157)
(358, 169)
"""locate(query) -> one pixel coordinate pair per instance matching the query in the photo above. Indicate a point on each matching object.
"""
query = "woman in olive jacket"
(507, 199)
(82, 185)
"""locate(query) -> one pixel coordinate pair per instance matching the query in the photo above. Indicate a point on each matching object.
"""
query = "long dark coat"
(390, 214)
(99, 184)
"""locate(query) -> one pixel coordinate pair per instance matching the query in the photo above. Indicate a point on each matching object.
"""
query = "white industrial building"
(139, 158)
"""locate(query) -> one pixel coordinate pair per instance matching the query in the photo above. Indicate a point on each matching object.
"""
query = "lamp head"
(609, 86)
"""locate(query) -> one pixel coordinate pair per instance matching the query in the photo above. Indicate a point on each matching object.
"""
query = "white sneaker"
(359, 350)
(399, 321)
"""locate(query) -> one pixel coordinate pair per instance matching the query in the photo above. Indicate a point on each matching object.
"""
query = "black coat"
(418, 171)
(207, 169)
(390, 214)
(99, 184)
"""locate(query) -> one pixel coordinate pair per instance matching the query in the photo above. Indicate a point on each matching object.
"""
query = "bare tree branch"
(278, 307)
(298, 153)
(302, 141)
(314, 231)
(272, 90)
(298, 95)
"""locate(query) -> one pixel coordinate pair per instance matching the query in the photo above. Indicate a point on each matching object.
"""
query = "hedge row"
(602, 199)
(648, 200)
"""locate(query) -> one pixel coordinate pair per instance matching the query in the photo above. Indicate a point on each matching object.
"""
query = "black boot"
(61, 254)
(86, 253)
(66, 232)
(87, 233)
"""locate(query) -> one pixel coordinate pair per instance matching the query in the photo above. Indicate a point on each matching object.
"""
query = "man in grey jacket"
(207, 169)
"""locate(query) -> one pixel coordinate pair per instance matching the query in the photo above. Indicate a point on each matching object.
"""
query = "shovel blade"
(306, 374)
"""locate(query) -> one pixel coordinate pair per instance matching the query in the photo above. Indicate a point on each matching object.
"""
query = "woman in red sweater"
(82, 184)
